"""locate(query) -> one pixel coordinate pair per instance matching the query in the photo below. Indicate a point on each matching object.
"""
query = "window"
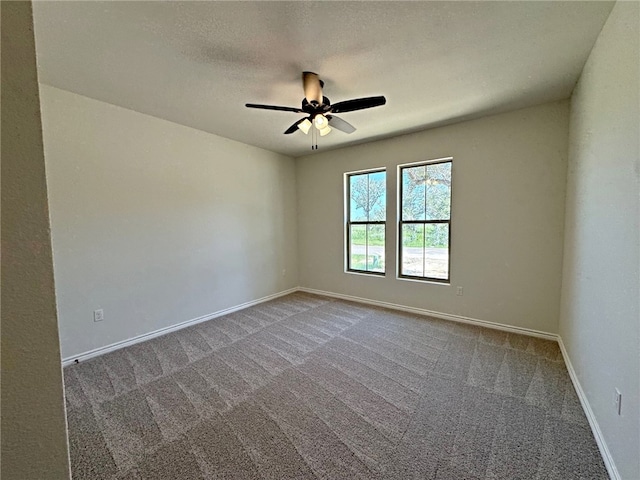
(366, 204)
(425, 221)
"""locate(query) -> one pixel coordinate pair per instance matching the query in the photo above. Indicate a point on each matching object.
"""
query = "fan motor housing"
(315, 109)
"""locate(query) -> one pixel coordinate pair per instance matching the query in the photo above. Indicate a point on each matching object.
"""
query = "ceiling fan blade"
(340, 124)
(312, 87)
(358, 104)
(274, 107)
(294, 128)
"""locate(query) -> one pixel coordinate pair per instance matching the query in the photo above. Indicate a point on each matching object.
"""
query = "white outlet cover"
(98, 315)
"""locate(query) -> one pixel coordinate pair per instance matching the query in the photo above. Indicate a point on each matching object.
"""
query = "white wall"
(34, 429)
(600, 316)
(509, 175)
(157, 223)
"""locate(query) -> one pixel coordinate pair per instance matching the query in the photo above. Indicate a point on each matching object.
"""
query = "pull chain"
(314, 138)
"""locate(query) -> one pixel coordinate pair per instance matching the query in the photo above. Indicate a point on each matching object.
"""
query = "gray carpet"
(311, 387)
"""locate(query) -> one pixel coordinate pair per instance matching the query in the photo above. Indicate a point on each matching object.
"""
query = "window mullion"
(366, 247)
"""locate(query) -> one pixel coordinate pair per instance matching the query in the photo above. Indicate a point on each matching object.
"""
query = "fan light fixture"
(321, 122)
(305, 125)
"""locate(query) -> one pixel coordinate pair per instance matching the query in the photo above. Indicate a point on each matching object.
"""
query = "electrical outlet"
(459, 291)
(98, 315)
(618, 401)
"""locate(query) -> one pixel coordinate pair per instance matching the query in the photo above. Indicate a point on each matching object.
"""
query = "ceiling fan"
(319, 109)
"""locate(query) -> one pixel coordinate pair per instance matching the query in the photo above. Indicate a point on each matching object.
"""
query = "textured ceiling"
(198, 63)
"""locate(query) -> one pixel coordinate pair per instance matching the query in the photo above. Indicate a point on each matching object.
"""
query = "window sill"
(371, 275)
(430, 282)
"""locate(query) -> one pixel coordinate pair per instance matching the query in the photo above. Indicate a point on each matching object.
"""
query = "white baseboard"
(593, 423)
(445, 316)
(163, 331)
(420, 311)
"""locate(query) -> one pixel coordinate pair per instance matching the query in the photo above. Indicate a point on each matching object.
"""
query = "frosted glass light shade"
(305, 125)
(325, 130)
(321, 121)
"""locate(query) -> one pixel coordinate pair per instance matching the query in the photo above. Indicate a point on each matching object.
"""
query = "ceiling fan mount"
(320, 112)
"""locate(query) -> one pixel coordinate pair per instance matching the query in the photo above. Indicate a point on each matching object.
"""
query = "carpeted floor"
(311, 387)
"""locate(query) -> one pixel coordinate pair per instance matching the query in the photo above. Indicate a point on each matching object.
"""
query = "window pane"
(375, 250)
(425, 250)
(358, 192)
(358, 247)
(413, 193)
(412, 262)
(368, 197)
(377, 202)
(436, 251)
(438, 191)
